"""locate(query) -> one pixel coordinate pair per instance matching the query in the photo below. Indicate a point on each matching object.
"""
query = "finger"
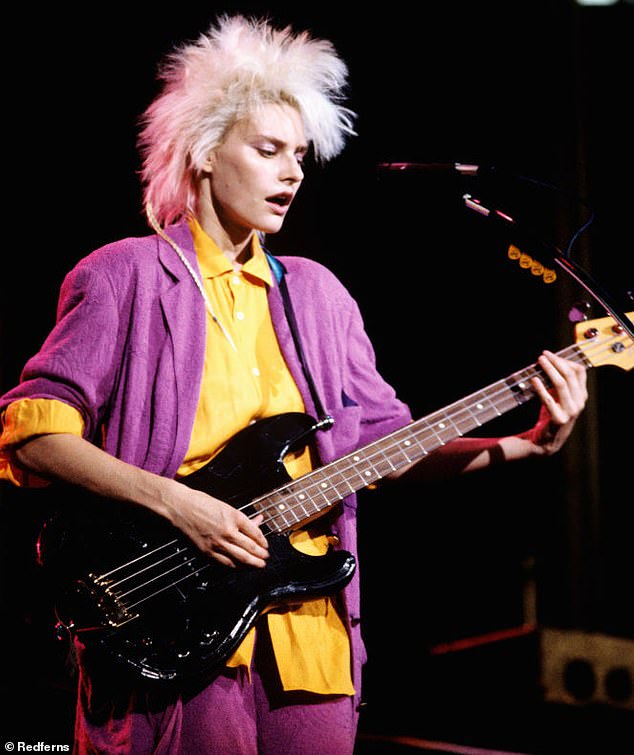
(555, 368)
(243, 552)
(550, 403)
(542, 391)
(222, 559)
(573, 373)
(251, 527)
(250, 546)
(235, 551)
(247, 539)
(569, 379)
(562, 380)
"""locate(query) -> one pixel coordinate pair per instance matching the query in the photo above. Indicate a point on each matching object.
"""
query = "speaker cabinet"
(580, 668)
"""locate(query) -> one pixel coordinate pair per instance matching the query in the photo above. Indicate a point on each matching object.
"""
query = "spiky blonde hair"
(210, 84)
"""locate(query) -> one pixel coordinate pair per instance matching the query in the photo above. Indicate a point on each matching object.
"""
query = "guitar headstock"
(604, 341)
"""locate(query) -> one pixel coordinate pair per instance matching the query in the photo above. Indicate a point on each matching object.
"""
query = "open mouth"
(281, 200)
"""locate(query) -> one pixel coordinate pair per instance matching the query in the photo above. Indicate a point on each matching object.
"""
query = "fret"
(445, 428)
(324, 483)
(299, 503)
(279, 515)
(434, 433)
(389, 466)
(365, 475)
(409, 442)
(372, 474)
(308, 496)
(402, 454)
(288, 502)
(340, 482)
(290, 506)
(513, 400)
(482, 406)
(461, 419)
(482, 409)
(348, 473)
(425, 440)
(520, 386)
(324, 491)
(382, 464)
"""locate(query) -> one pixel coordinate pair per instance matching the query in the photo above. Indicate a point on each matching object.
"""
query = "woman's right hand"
(217, 528)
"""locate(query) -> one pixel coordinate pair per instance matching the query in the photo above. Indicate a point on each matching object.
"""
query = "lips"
(279, 203)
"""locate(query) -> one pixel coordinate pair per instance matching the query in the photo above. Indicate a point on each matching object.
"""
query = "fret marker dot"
(324, 484)
(301, 496)
(356, 458)
(441, 424)
(368, 474)
(281, 507)
(522, 385)
(408, 443)
(479, 406)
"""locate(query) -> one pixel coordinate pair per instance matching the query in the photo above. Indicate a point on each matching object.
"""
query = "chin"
(270, 228)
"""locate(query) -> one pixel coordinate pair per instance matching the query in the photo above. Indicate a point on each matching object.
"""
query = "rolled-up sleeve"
(28, 418)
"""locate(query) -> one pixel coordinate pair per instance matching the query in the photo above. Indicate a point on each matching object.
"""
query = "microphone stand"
(572, 268)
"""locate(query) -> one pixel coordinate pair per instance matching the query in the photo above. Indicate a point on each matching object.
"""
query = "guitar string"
(172, 584)
(462, 409)
(526, 372)
(506, 388)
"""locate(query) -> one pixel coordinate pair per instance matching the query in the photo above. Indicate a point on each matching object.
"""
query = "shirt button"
(255, 371)
(240, 315)
(235, 280)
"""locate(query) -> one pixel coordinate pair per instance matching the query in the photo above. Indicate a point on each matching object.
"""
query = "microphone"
(476, 205)
(464, 169)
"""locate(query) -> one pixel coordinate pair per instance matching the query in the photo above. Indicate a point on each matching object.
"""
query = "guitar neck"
(311, 495)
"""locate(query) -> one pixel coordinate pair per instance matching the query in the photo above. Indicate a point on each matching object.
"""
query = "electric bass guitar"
(134, 588)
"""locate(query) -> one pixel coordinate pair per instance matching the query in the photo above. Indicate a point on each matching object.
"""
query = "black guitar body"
(138, 591)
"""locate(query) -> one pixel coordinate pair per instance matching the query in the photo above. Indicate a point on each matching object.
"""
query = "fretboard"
(311, 495)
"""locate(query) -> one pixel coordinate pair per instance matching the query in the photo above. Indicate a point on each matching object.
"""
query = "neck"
(234, 244)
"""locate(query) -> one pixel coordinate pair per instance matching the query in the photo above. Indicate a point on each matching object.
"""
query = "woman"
(166, 346)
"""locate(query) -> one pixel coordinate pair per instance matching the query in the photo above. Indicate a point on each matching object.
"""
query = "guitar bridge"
(113, 611)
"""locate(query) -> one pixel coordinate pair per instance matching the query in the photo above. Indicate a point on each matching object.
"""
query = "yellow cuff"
(25, 419)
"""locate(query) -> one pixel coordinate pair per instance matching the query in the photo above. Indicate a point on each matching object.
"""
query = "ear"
(210, 161)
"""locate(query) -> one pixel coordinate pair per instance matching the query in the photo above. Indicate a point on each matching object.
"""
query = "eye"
(267, 151)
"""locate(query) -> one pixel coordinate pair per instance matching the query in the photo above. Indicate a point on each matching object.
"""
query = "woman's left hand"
(562, 403)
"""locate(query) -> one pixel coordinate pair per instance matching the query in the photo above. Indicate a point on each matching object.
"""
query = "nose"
(292, 171)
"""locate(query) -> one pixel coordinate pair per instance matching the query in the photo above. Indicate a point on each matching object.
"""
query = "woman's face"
(256, 172)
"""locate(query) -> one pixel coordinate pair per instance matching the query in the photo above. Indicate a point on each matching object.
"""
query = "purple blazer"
(127, 352)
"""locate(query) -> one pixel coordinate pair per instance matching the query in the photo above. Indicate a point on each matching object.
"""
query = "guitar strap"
(325, 421)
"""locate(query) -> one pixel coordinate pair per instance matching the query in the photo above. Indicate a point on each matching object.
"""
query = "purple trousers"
(231, 716)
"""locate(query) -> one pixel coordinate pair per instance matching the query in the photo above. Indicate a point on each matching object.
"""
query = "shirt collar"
(213, 262)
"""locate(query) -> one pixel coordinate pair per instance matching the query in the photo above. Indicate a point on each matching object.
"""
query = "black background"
(538, 90)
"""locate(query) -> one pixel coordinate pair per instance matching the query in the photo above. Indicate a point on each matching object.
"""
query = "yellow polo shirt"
(310, 641)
